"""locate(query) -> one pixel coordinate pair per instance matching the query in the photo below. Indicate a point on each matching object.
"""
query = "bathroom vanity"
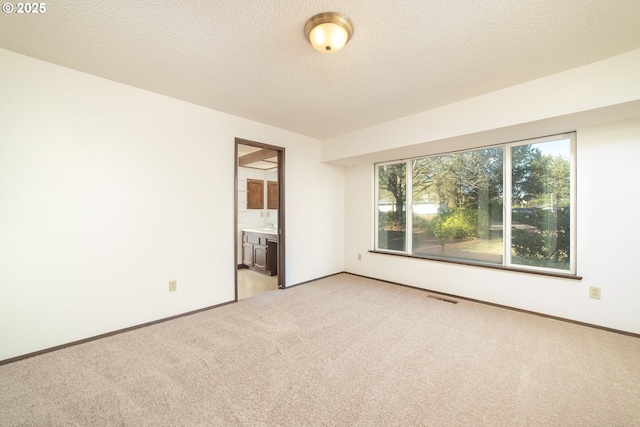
(260, 250)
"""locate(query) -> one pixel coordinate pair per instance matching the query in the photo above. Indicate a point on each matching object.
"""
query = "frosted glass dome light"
(328, 32)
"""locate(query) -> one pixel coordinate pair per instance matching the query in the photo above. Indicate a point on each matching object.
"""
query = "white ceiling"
(249, 58)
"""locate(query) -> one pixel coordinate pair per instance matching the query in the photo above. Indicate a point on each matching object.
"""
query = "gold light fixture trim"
(328, 32)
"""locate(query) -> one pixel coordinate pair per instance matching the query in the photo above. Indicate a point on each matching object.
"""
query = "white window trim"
(507, 222)
(571, 136)
(377, 214)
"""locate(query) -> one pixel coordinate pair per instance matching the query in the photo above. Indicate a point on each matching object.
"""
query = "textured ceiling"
(249, 57)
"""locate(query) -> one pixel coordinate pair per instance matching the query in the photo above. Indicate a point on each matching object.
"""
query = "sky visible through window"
(560, 147)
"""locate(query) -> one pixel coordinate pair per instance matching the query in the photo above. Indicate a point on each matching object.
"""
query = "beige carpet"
(341, 351)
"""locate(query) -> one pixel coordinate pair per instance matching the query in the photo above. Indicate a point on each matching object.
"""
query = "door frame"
(281, 211)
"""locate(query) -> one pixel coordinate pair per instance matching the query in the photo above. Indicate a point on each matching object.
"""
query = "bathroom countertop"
(271, 231)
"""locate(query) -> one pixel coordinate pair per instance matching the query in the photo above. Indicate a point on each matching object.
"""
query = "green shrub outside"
(460, 223)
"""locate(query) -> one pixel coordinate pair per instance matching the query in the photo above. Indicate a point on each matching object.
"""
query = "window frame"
(507, 263)
(408, 248)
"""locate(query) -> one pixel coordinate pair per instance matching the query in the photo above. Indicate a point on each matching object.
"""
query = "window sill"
(482, 265)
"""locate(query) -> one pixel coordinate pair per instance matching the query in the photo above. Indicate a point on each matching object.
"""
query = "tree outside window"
(392, 206)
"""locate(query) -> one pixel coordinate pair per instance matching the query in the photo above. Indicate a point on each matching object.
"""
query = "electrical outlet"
(594, 292)
(173, 285)
(359, 257)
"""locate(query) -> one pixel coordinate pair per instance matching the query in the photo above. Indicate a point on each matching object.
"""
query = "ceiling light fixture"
(328, 32)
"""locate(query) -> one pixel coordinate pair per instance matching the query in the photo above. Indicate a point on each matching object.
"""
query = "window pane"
(457, 206)
(392, 206)
(541, 204)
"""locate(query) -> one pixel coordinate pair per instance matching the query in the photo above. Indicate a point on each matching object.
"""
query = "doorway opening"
(259, 218)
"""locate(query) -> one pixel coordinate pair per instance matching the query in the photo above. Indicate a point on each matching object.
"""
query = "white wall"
(608, 226)
(271, 215)
(107, 192)
(592, 94)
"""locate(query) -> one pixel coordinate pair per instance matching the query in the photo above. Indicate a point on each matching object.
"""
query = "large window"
(508, 205)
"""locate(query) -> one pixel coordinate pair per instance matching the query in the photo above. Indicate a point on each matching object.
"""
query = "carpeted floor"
(340, 351)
